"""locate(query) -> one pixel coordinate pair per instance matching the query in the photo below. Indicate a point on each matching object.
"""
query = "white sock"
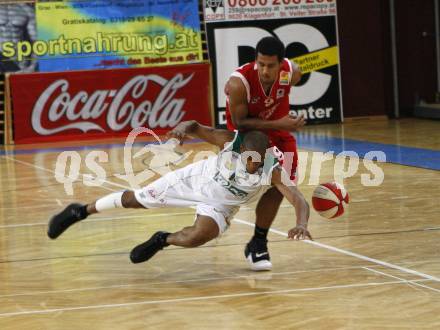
(112, 201)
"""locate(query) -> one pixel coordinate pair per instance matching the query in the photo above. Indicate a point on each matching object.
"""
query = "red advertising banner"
(106, 103)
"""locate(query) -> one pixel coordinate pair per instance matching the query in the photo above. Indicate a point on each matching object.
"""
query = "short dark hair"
(256, 141)
(270, 46)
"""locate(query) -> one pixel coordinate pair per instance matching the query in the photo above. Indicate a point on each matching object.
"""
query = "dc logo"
(214, 4)
(307, 35)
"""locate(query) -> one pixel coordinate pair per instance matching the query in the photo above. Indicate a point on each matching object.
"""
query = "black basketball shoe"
(63, 220)
(148, 249)
(257, 254)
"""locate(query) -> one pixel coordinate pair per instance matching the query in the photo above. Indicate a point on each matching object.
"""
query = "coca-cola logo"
(124, 108)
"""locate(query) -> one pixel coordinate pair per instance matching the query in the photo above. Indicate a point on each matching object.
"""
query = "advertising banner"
(238, 10)
(94, 34)
(17, 28)
(107, 103)
(308, 29)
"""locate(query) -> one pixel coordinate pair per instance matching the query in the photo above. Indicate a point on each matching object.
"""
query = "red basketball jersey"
(275, 105)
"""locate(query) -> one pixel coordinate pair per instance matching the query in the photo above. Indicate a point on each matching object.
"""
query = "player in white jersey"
(216, 186)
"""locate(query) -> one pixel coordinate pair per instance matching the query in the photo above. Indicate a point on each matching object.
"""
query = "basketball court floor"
(376, 267)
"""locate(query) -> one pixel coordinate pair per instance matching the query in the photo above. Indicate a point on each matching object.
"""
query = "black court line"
(223, 245)
(115, 253)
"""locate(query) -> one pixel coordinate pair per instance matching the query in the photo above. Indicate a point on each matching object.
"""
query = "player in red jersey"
(258, 98)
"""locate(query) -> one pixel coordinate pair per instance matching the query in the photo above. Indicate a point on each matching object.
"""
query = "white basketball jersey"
(223, 179)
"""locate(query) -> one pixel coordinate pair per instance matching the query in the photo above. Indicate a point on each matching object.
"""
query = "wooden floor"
(377, 267)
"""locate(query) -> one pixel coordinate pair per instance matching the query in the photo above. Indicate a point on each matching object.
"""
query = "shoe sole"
(262, 265)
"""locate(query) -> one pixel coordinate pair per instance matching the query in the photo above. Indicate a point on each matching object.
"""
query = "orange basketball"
(330, 199)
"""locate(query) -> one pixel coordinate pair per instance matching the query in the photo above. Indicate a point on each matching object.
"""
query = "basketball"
(330, 200)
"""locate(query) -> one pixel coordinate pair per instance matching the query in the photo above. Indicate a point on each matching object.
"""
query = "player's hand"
(292, 123)
(300, 232)
(178, 134)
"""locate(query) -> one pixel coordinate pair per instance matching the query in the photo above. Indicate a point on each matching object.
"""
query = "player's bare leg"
(256, 251)
(203, 230)
(77, 212)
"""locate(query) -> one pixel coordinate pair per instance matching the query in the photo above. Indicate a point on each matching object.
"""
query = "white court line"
(328, 247)
(33, 207)
(53, 172)
(256, 276)
(349, 253)
(154, 215)
(402, 279)
(199, 298)
(432, 228)
(283, 206)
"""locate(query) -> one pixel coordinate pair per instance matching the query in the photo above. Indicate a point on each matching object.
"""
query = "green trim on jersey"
(270, 160)
(238, 141)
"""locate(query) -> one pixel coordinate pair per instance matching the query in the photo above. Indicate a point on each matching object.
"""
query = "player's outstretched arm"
(296, 198)
(211, 135)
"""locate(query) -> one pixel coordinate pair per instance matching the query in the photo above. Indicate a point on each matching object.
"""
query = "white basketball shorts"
(179, 189)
